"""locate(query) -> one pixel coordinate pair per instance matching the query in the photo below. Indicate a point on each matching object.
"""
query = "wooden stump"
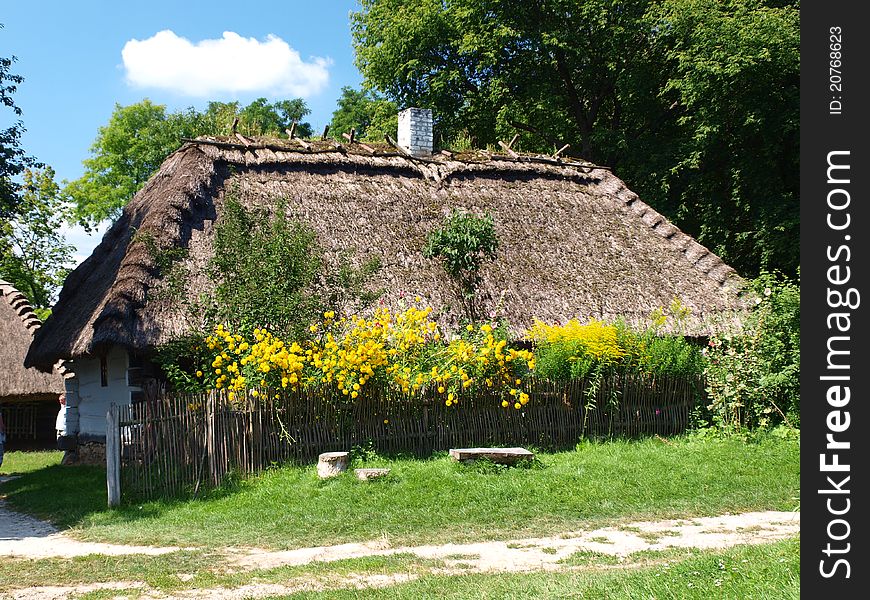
(330, 464)
(367, 474)
(504, 456)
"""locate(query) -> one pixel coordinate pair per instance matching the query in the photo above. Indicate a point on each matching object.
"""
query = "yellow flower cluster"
(404, 350)
(597, 338)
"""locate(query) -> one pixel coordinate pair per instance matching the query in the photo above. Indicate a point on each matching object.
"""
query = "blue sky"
(70, 54)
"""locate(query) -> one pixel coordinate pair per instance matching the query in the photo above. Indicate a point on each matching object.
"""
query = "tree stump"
(330, 464)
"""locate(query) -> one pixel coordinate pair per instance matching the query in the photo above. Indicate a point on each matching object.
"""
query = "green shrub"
(753, 378)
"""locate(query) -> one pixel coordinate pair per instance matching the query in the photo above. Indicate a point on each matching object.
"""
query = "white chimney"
(415, 131)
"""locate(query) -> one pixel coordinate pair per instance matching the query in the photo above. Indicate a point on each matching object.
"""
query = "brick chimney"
(415, 131)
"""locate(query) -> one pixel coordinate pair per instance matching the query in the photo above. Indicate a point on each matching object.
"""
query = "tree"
(733, 77)
(13, 159)
(139, 137)
(371, 115)
(693, 102)
(482, 65)
(34, 255)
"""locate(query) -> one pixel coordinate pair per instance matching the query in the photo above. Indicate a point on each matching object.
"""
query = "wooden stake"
(507, 148)
(325, 131)
(292, 131)
(113, 455)
(243, 139)
(561, 150)
(235, 124)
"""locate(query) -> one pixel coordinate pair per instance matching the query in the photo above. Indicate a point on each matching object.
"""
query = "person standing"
(60, 422)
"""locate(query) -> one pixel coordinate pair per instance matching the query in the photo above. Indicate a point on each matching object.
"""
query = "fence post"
(113, 455)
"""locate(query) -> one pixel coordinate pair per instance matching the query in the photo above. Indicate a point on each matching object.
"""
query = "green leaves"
(464, 242)
(264, 268)
(139, 137)
(753, 378)
(34, 255)
(369, 114)
(694, 103)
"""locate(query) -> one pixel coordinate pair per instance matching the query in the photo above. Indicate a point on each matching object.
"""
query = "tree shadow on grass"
(70, 496)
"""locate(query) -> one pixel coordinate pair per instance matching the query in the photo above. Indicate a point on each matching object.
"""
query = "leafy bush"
(753, 378)
(464, 242)
(264, 268)
(575, 351)
(403, 350)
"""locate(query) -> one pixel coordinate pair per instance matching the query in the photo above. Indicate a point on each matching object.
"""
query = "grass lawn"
(425, 501)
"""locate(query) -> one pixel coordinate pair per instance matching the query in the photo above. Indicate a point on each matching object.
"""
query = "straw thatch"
(575, 242)
(18, 323)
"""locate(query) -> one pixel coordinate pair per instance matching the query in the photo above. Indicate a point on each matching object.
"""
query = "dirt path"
(546, 552)
(26, 537)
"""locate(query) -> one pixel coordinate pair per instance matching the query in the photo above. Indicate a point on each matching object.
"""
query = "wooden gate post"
(113, 454)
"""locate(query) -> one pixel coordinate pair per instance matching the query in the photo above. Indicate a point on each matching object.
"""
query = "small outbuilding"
(28, 397)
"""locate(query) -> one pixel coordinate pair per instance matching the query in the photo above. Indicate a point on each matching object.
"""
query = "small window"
(104, 372)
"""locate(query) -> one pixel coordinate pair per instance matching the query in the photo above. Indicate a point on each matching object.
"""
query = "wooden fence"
(176, 445)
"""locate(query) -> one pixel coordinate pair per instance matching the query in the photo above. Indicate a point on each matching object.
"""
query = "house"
(28, 397)
(575, 242)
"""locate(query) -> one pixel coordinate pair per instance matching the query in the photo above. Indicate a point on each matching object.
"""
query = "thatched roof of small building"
(574, 240)
(18, 323)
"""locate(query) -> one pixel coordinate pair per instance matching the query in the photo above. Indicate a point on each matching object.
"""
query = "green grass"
(426, 501)
(188, 570)
(770, 571)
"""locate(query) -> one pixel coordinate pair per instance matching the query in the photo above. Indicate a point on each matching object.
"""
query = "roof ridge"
(21, 305)
(699, 256)
(337, 147)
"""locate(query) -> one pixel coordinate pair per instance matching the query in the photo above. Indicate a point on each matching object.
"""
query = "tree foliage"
(34, 255)
(264, 268)
(13, 158)
(463, 242)
(140, 136)
(693, 102)
(371, 115)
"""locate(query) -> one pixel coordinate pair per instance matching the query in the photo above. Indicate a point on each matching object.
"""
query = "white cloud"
(83, 242)
(229, 65)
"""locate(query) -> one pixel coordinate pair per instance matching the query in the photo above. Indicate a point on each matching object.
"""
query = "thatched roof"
(17, 326)
(575, 242)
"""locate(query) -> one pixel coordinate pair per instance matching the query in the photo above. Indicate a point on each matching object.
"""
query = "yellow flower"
(199, 373)
(505, 403)
(517, 405)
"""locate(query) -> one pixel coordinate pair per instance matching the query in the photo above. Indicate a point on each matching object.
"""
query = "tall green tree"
(13, 158)
(371, 115)
(139, 137)
(732, 157)
(34, 256)
(692, 102)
